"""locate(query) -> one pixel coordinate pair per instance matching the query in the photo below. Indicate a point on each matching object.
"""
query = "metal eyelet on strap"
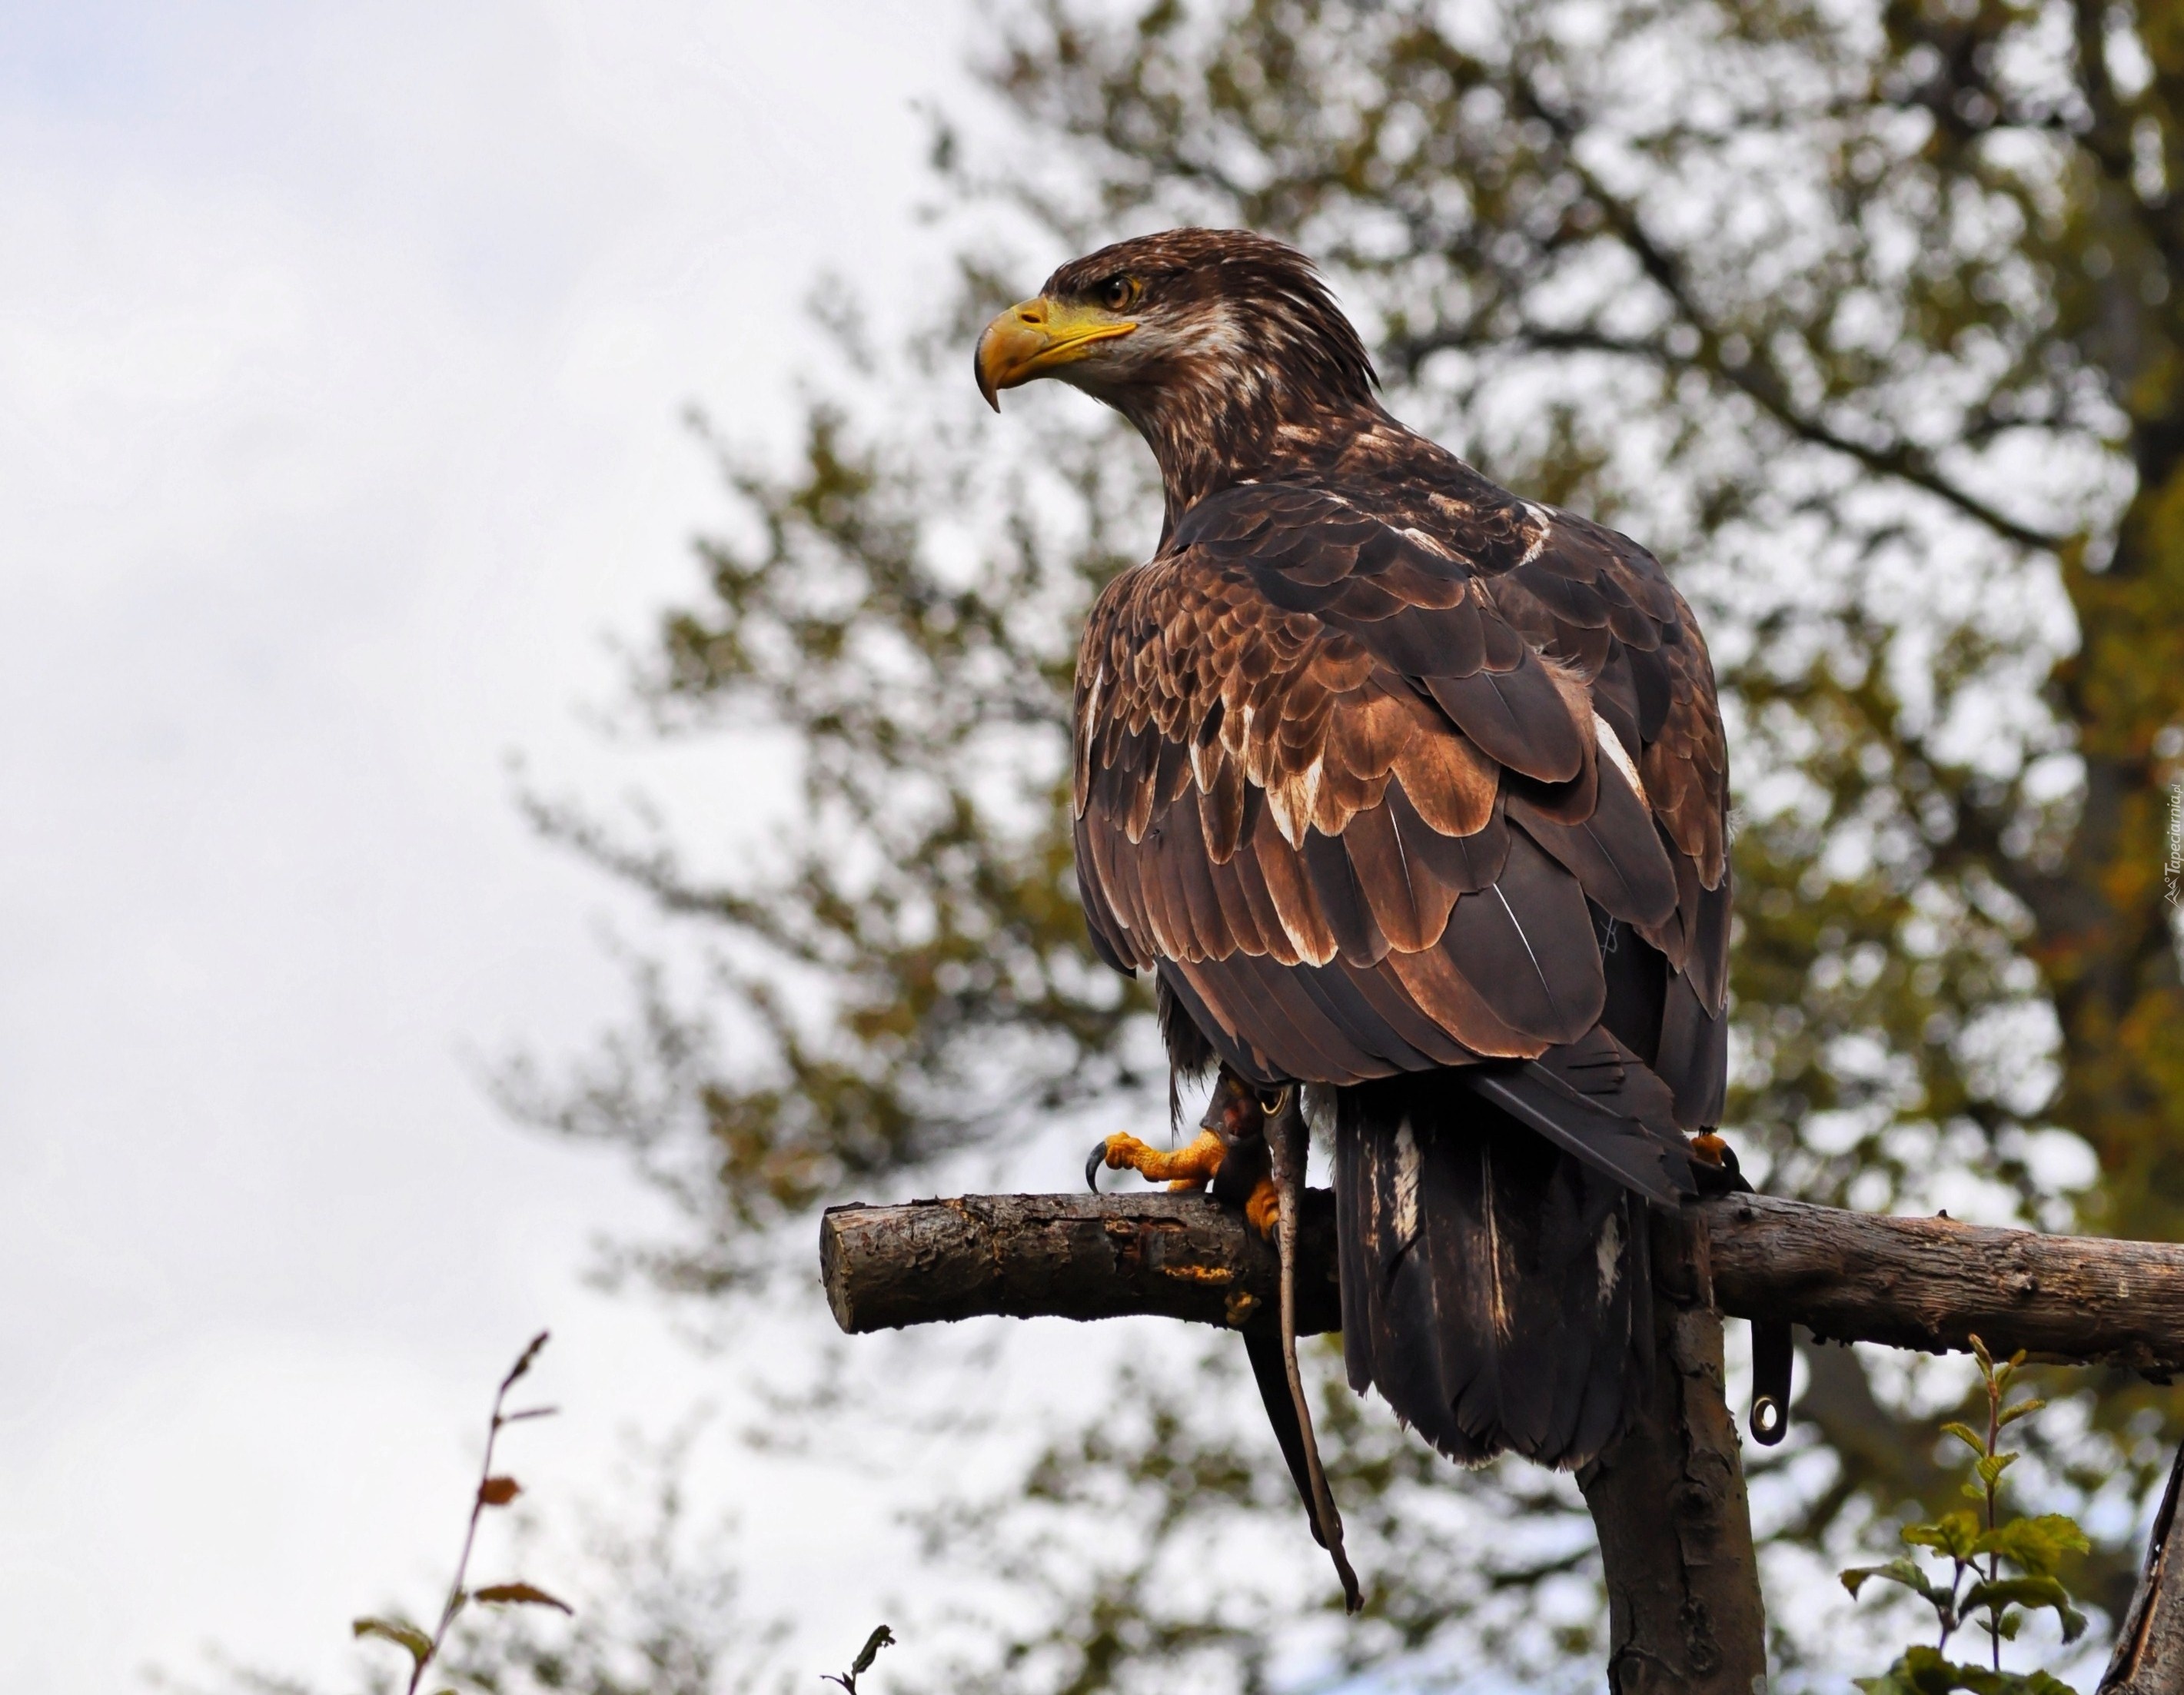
(1274, 1104)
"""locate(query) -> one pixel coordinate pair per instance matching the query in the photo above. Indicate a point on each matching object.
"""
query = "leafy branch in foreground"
(881, 1637)
(1979, 1543)
(493, 1490)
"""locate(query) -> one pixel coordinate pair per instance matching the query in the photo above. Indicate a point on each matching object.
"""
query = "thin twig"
(479, 1502)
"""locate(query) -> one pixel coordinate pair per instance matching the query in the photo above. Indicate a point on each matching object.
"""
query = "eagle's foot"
(1262, 1209)
(1191, 1167)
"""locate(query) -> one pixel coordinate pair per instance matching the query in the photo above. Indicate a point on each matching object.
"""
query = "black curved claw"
(1092, 1165)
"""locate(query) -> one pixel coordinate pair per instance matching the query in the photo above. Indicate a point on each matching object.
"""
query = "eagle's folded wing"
(1350, 787)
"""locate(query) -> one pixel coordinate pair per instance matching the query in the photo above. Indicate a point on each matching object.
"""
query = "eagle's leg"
(1287, 1142)
(1187, 1167)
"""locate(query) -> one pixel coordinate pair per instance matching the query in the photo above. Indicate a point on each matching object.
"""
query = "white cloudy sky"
(342, 349)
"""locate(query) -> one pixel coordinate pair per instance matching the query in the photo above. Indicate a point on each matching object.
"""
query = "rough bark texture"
(1918, 1283)
(1071, 1257)
(2149, 1651)
(1932, 1284)
(1684, 1609)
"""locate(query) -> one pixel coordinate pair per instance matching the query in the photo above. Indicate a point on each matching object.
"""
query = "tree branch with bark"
(1668, 1501)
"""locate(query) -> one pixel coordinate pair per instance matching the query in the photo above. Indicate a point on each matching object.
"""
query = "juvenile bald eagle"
(1410, 793)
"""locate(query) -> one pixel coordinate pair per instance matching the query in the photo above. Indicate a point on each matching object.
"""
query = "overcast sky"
(341, 351)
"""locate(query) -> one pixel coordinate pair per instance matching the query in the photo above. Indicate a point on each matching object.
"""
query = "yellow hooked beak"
(1034, 336)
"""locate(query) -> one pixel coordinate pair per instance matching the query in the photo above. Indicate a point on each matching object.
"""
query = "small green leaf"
(1954, 1534)
(1920, 1671)
(519, 1594)
(1991, 1466)
(1924, 1671)
(2037, 1545)
(2029, 1592)
(2022, 1409)
(1904, 1571)
(395, 1630)
(1966, 1434)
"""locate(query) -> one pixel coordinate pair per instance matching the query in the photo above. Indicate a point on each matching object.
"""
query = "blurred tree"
(1861, 315)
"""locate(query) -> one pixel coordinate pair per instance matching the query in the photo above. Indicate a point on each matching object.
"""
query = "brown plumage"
(1413, 790)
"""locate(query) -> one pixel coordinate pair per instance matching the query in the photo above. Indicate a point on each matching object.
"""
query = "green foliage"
(1978, 1544)
(1924, 1671)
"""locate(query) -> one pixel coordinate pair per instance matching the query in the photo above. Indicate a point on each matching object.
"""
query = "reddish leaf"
(520, 1593)
(498, 1491)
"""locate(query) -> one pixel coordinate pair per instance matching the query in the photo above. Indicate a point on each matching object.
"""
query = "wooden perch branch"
(1917, 1282)
(1684, 1608)
(1668, 1500)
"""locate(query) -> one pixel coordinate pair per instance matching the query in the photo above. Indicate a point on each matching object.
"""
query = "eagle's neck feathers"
(1234, 393)
(1210, 436)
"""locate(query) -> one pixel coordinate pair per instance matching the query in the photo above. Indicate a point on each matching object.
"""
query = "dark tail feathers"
(1495, 1288)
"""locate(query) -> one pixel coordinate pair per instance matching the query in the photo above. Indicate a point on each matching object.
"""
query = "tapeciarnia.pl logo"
(2172, 865)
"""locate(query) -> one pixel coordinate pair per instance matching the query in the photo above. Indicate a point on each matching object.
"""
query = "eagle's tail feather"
(1495, 1288)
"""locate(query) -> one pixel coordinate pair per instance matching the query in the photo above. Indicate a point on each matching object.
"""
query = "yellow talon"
(1262, 1208)
(1187, 1167)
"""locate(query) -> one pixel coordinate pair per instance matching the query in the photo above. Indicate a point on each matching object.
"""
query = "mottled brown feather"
(1304, 729)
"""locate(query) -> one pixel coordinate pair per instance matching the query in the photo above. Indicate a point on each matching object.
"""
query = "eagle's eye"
(1118, 293)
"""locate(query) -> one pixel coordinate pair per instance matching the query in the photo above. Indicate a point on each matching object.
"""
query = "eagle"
(1411, 797)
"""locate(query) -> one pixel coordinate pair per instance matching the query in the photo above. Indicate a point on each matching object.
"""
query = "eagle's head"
(1178, 309)
(1213, 342)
